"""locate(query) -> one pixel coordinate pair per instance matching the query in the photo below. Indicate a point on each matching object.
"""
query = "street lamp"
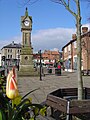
(40, 64)
(18, 60)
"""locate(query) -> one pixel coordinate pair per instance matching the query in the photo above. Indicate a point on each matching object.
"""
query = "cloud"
(51, 38)
(47, 39)
(16, 39)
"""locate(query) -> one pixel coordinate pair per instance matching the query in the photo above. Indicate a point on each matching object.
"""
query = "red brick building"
(48, 57)
(69, 53)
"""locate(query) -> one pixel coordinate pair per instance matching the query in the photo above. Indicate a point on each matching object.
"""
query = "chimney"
(12, 42)
(74, 36)
(84, 29)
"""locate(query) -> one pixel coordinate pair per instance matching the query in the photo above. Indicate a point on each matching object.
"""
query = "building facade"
(69, 52)
(48, 57)
(11, 53)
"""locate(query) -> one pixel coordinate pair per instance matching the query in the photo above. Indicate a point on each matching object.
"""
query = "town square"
(45, 71)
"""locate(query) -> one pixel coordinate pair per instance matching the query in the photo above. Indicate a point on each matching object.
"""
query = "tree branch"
(67, 7)
(26, 2)
(57, 1)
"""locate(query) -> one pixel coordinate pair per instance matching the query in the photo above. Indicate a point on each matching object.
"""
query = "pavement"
(48, 84)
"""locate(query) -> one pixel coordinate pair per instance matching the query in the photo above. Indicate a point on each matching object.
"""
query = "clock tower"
(26, 57)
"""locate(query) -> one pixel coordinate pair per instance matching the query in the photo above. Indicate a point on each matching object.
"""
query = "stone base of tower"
(27, 70)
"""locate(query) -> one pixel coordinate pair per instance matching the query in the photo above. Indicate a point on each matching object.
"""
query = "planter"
(65, 100)
(57, 71)
(49, 70)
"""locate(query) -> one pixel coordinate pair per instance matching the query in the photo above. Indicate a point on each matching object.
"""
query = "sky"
(52, 26)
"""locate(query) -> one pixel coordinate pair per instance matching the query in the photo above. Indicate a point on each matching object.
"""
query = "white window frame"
(65, 49)
(75, 44)
(69, 47)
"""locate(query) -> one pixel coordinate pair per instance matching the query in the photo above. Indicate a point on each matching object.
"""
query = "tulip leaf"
(2, 115)
(43, 111)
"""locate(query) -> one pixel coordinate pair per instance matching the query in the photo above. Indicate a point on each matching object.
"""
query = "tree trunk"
(80, 82)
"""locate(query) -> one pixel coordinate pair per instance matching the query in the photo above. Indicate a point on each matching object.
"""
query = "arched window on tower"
(26, 38)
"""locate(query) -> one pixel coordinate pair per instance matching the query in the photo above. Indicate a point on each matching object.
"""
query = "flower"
(11, 85)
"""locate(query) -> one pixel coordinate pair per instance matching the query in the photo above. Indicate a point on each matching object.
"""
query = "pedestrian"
(59, 66)
(59, 69)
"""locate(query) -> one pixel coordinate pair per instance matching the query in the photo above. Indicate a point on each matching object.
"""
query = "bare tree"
(27, 2)
(67, 4)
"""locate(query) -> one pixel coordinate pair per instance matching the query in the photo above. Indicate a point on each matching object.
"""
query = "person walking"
(59, 69)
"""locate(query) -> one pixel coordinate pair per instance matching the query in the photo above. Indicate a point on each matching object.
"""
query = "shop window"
(10, 50)
(8, 56)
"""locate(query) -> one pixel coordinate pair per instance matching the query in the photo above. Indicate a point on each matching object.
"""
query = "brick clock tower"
(26, 57)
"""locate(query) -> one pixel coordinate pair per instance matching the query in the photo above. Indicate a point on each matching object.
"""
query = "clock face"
(26, 23)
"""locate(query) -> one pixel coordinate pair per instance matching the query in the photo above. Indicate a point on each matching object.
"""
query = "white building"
(11, 53)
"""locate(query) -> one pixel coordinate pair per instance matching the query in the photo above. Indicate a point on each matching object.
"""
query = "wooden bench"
(86, 72)
(65, 100)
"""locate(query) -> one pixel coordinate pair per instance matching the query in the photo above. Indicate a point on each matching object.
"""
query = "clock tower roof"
(26, 16)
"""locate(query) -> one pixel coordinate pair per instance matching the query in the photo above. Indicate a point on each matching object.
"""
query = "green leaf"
(16, 101)
(2, 115)
(3, 88)
(25, 101)
(3, 100)
(32, 119)
(43, 111)
(10, 111)
(36, 111)
(24, 109)
(21, 110)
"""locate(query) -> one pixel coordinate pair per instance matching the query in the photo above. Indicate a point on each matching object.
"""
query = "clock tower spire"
(26, 12)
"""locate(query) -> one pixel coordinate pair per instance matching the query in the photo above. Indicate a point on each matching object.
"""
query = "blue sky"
(52, 27)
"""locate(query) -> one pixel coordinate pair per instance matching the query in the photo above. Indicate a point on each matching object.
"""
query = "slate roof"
(82, 35)
(13, 45)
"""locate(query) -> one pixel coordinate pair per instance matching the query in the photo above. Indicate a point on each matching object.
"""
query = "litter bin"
(49, 70)
(57, 71)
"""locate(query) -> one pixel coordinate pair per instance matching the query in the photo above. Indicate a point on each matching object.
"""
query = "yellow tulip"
(11, 85)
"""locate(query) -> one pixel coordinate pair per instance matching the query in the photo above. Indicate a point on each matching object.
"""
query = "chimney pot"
(84, 29)
(74, 36)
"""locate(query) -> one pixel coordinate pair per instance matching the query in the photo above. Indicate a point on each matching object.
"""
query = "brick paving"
(49, 83)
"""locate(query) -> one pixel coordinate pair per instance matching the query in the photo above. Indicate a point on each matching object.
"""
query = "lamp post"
(18, 60)
(40, 64)
(5, 64)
